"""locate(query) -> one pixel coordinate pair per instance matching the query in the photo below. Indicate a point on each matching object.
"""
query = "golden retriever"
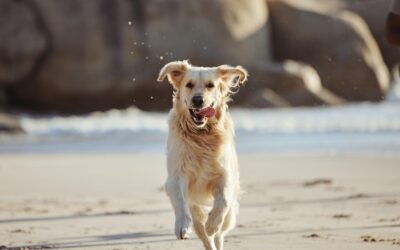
(203, 175)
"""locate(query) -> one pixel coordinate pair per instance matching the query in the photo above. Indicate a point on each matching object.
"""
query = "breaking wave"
(359, 118)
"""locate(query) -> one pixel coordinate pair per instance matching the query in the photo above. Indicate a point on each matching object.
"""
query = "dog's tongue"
(207, 112)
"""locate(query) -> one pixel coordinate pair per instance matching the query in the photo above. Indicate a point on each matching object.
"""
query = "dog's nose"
(197, 101)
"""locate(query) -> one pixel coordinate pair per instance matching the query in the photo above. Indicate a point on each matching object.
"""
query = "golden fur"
(202, 163)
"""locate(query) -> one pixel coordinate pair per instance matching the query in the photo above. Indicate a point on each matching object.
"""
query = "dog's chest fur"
(202, 157)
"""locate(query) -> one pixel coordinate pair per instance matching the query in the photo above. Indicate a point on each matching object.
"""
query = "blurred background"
(81, 75)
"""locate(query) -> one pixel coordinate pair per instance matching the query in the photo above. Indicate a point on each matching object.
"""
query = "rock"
(92, 55)
(336, 43)
(394, 92)
(22, 44)
(106, 54)
(9, 124)
(283, 85)
(374, 13)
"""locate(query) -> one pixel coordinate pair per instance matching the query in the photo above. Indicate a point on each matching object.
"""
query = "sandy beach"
(116, 201)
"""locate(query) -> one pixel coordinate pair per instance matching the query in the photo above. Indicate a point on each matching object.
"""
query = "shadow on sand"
(164, 236)
(348, 198)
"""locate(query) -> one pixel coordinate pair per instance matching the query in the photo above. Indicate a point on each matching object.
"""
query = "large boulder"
(22, 42)
(375, 14)
(336, 43)
(103, 54)
(284, 85)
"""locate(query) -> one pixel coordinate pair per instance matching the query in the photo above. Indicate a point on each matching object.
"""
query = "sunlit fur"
(203, 176)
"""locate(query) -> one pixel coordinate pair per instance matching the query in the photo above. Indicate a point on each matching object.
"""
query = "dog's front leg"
(176, 190)
(219, 210)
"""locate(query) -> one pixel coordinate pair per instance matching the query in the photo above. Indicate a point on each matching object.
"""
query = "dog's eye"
(210, 85)
(189, 85)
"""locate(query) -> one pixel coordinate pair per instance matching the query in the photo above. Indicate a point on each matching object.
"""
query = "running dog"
(203, 174)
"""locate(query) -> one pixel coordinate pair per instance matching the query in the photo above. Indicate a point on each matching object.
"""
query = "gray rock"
(283, 85)
(374, 13)
(22, 42)
(9, 124)
(336, 43)
(106, 54)
(80, 56)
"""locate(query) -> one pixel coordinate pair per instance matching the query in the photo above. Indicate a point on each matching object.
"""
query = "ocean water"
(366, 128)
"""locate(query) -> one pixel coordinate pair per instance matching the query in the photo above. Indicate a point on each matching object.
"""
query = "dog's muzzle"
(200, 116)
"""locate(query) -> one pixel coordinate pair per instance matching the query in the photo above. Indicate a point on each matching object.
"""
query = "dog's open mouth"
(200, 116)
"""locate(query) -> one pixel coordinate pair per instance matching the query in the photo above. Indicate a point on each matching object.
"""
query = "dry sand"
(116, 201)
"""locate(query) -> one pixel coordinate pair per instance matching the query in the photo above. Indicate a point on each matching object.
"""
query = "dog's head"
(202, 91)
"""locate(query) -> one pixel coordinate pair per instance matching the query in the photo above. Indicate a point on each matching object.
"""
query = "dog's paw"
(213, 224)
(183, 228)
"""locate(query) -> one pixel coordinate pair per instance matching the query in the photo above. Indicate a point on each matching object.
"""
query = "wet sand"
(116, 201)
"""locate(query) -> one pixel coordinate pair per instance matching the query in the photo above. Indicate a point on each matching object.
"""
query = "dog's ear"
(174, 71)
(231, 78)
(228, 73)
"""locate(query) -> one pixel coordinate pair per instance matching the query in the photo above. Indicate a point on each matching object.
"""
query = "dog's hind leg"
(199, 219)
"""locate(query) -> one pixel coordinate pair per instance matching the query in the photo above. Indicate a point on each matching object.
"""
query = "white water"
(356, 128)
(361, 118)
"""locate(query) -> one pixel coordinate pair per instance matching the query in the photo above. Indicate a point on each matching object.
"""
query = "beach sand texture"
(116, 201)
